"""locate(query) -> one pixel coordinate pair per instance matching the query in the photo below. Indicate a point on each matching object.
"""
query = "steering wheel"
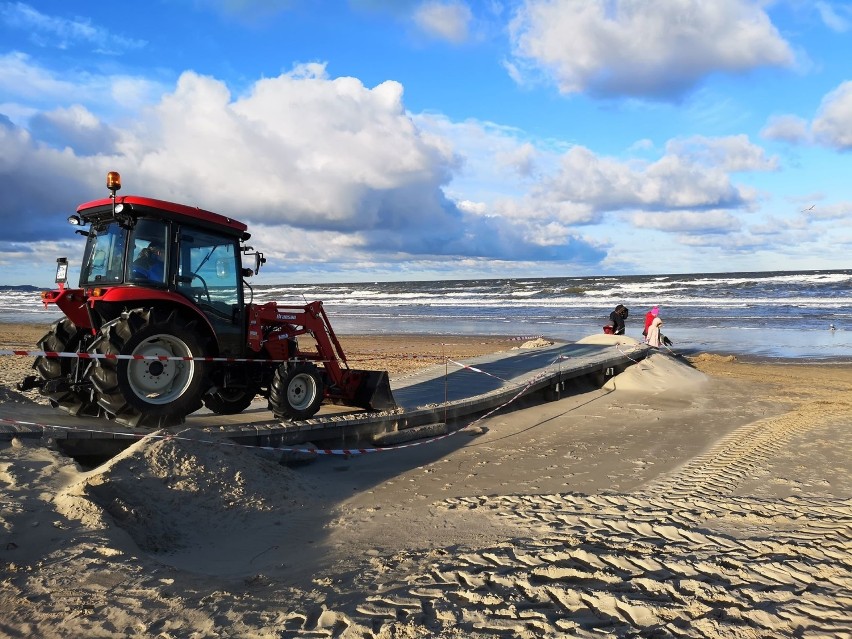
(203, 283)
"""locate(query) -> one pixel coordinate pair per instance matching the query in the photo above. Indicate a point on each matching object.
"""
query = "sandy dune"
(702, 499)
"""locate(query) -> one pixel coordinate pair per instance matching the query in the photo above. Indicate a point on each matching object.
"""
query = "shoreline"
(29, 332)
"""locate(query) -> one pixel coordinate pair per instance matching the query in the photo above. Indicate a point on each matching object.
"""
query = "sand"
(701, 498)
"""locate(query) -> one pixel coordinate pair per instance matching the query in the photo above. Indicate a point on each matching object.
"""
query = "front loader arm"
(270, 328)
(271, 324)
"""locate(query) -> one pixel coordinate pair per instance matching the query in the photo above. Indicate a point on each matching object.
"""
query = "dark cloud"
(39, 187)
(75, 128)
(480, 237)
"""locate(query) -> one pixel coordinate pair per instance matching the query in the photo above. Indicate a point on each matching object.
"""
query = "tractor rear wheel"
(59, 372)
(149, 392)
(296, 391)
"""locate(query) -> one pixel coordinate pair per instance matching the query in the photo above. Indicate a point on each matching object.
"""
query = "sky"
(393, 140)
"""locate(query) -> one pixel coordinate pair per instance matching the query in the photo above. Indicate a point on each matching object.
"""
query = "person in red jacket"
(649, 317)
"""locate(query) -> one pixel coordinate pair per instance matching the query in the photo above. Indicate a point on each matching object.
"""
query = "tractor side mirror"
(259, 260)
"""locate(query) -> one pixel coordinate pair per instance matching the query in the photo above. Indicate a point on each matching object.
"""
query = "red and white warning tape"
(479, 370)
(348, 452)
(627, 355)
(165, 358)
(162, 358)
(495, 338)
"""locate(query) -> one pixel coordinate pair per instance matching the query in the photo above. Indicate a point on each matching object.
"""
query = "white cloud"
(702, 222)
(488, 156)
(732, 243)
(476, 208)
(787, 128)
(642, 145)
(837, 16)
(645, 48)
(832, 125)
(838, 212)
(520, 160)
(299, 149)
(545, 206)
(730, 153)
(689, 189)
(65, 33)
(446, 20)
(692, 174)
(28, 85)
(21, 78)
(579, 187)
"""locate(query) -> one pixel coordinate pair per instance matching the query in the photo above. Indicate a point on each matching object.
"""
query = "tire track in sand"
(720, 470)
(683, 557)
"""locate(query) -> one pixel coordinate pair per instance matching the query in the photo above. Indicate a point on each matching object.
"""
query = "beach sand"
(701, 498)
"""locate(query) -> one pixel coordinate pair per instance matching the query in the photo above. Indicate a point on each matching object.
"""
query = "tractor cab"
(140, 248)
(165, 258)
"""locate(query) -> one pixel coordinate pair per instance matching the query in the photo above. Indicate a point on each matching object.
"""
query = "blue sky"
(431, 139)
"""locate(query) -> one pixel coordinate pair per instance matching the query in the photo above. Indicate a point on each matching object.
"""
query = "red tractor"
(159, 325)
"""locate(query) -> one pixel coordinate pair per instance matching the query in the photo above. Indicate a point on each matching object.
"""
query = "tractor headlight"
(75, 220)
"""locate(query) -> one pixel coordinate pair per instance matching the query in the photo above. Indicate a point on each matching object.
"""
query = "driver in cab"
(151, 262)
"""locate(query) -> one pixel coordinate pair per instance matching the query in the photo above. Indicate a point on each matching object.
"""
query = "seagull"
(810, 208)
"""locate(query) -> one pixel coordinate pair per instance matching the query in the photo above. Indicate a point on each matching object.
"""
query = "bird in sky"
(810, 208)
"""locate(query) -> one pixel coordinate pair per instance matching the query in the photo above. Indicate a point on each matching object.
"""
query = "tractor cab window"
(103, 262)
(148, 257)
(207, 273)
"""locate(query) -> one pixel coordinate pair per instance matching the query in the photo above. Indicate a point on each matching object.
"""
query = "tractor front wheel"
(297, 391)
(61, 373)
(161, 381)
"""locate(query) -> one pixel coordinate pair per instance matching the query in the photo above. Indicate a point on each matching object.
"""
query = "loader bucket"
(374, 391)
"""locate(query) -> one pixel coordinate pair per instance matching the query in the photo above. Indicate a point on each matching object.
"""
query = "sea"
(776, 314)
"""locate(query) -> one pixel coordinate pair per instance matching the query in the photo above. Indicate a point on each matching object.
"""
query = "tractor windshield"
(115, 255)
(103, 262)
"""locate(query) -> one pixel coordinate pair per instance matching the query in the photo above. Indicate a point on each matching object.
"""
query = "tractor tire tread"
(64, 336)
(106, 373)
